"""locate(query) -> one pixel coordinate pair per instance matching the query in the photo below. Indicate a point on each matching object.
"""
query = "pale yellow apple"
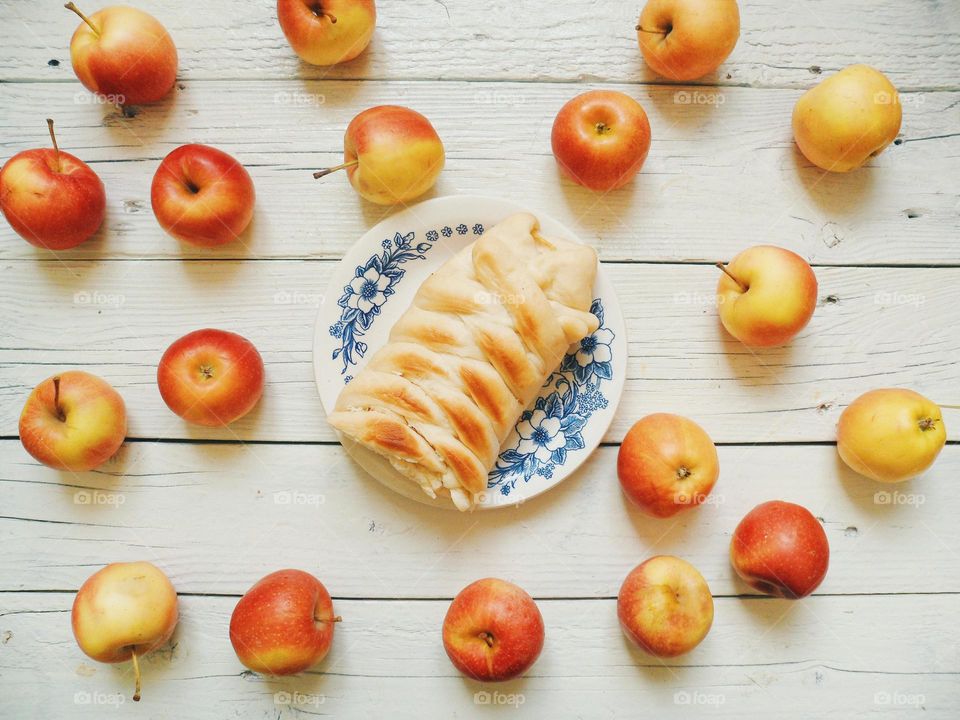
(891, 434)
(847, 119)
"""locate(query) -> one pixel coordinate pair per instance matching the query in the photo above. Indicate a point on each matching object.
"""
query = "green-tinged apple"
(667, 463)
(124, 611)
(73, 421)
(493, 631)
(202, 195)
(327, 32)
(665, 606)
(686, 39)
(123, 54)
(847, 119)
(766, 295)
(51, 198)
(600, 139)
(891, 434)
(211, 377)
(391, 154)
(284, 624)
(780, 549)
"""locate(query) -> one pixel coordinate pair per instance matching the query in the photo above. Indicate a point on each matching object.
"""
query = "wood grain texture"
(723, 172)
(218, 517)
(802, 658)
(781, 44)
(873, 327)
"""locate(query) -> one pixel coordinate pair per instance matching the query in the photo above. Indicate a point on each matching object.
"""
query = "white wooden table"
(881, 635)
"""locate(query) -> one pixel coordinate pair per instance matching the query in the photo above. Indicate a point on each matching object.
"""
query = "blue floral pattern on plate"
(372, 285)
(553, 428)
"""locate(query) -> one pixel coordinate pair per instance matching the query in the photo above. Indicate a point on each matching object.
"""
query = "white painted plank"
(719, 177)
(780, 43)
(879, 327)
(220, 516)
(860, 657)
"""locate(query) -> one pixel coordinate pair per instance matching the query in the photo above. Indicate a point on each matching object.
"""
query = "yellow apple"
(686, 39)
(891, 434)
(847, 119)
(327, 32)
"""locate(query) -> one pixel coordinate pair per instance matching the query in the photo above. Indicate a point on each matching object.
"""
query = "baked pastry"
(481, 336)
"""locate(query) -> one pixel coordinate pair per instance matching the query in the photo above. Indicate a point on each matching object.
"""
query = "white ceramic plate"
(375, 283)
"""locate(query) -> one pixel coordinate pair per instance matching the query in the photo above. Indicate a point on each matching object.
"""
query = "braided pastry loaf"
(480, 338)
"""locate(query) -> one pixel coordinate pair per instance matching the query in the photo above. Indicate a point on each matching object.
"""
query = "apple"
(202, 195)
(780, 549)
(51, 198)
(123, 54)
(391, 154)
(847, 118)
(327, 32)
(600, 139)
(124, 611)
(667, 463)
(73, 421)
(211, 377)
(686, 39)
(766, 295)
(891, 434)
(283, 624)
(665, 606)
(493, 631)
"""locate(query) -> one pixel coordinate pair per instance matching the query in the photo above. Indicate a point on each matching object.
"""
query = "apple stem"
(136, 675)
(56, 148)
(731, 276)
(88, 21)
(56, 399)
(952, 407)
(487, 638)
(326, 171)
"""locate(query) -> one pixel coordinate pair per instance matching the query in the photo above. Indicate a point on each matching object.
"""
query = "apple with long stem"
(123, 54)
(392, 154)
(124, 611)
(51, 198)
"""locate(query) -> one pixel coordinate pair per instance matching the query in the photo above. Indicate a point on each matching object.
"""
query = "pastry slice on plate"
(482, 335)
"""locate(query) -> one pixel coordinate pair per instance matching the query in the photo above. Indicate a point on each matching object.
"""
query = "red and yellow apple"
(686, 39)
(51, 198)
(202, 195)
(73, 421)
(766, 295)
(600, 139)
(327, 32)
(124, 54)
(493, 631)
(211, 377)
(124, 611)
(780, 549)
(667, 463)
(848, 118)
(665, 606)
(891, 434)
(283, 624)
(392, 154)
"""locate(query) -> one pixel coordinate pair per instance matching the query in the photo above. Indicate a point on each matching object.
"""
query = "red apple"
(124, 611)
(124, 54)
(766, 295)
(493, 631)
(73, 421)
(600, 139)
(391, 154)
(211, 377)
(667, 463)
(686, 39)
(665, 606)
(202, 195)
(51, 198)
(283, 624)
(327, 32)
(780, 549)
